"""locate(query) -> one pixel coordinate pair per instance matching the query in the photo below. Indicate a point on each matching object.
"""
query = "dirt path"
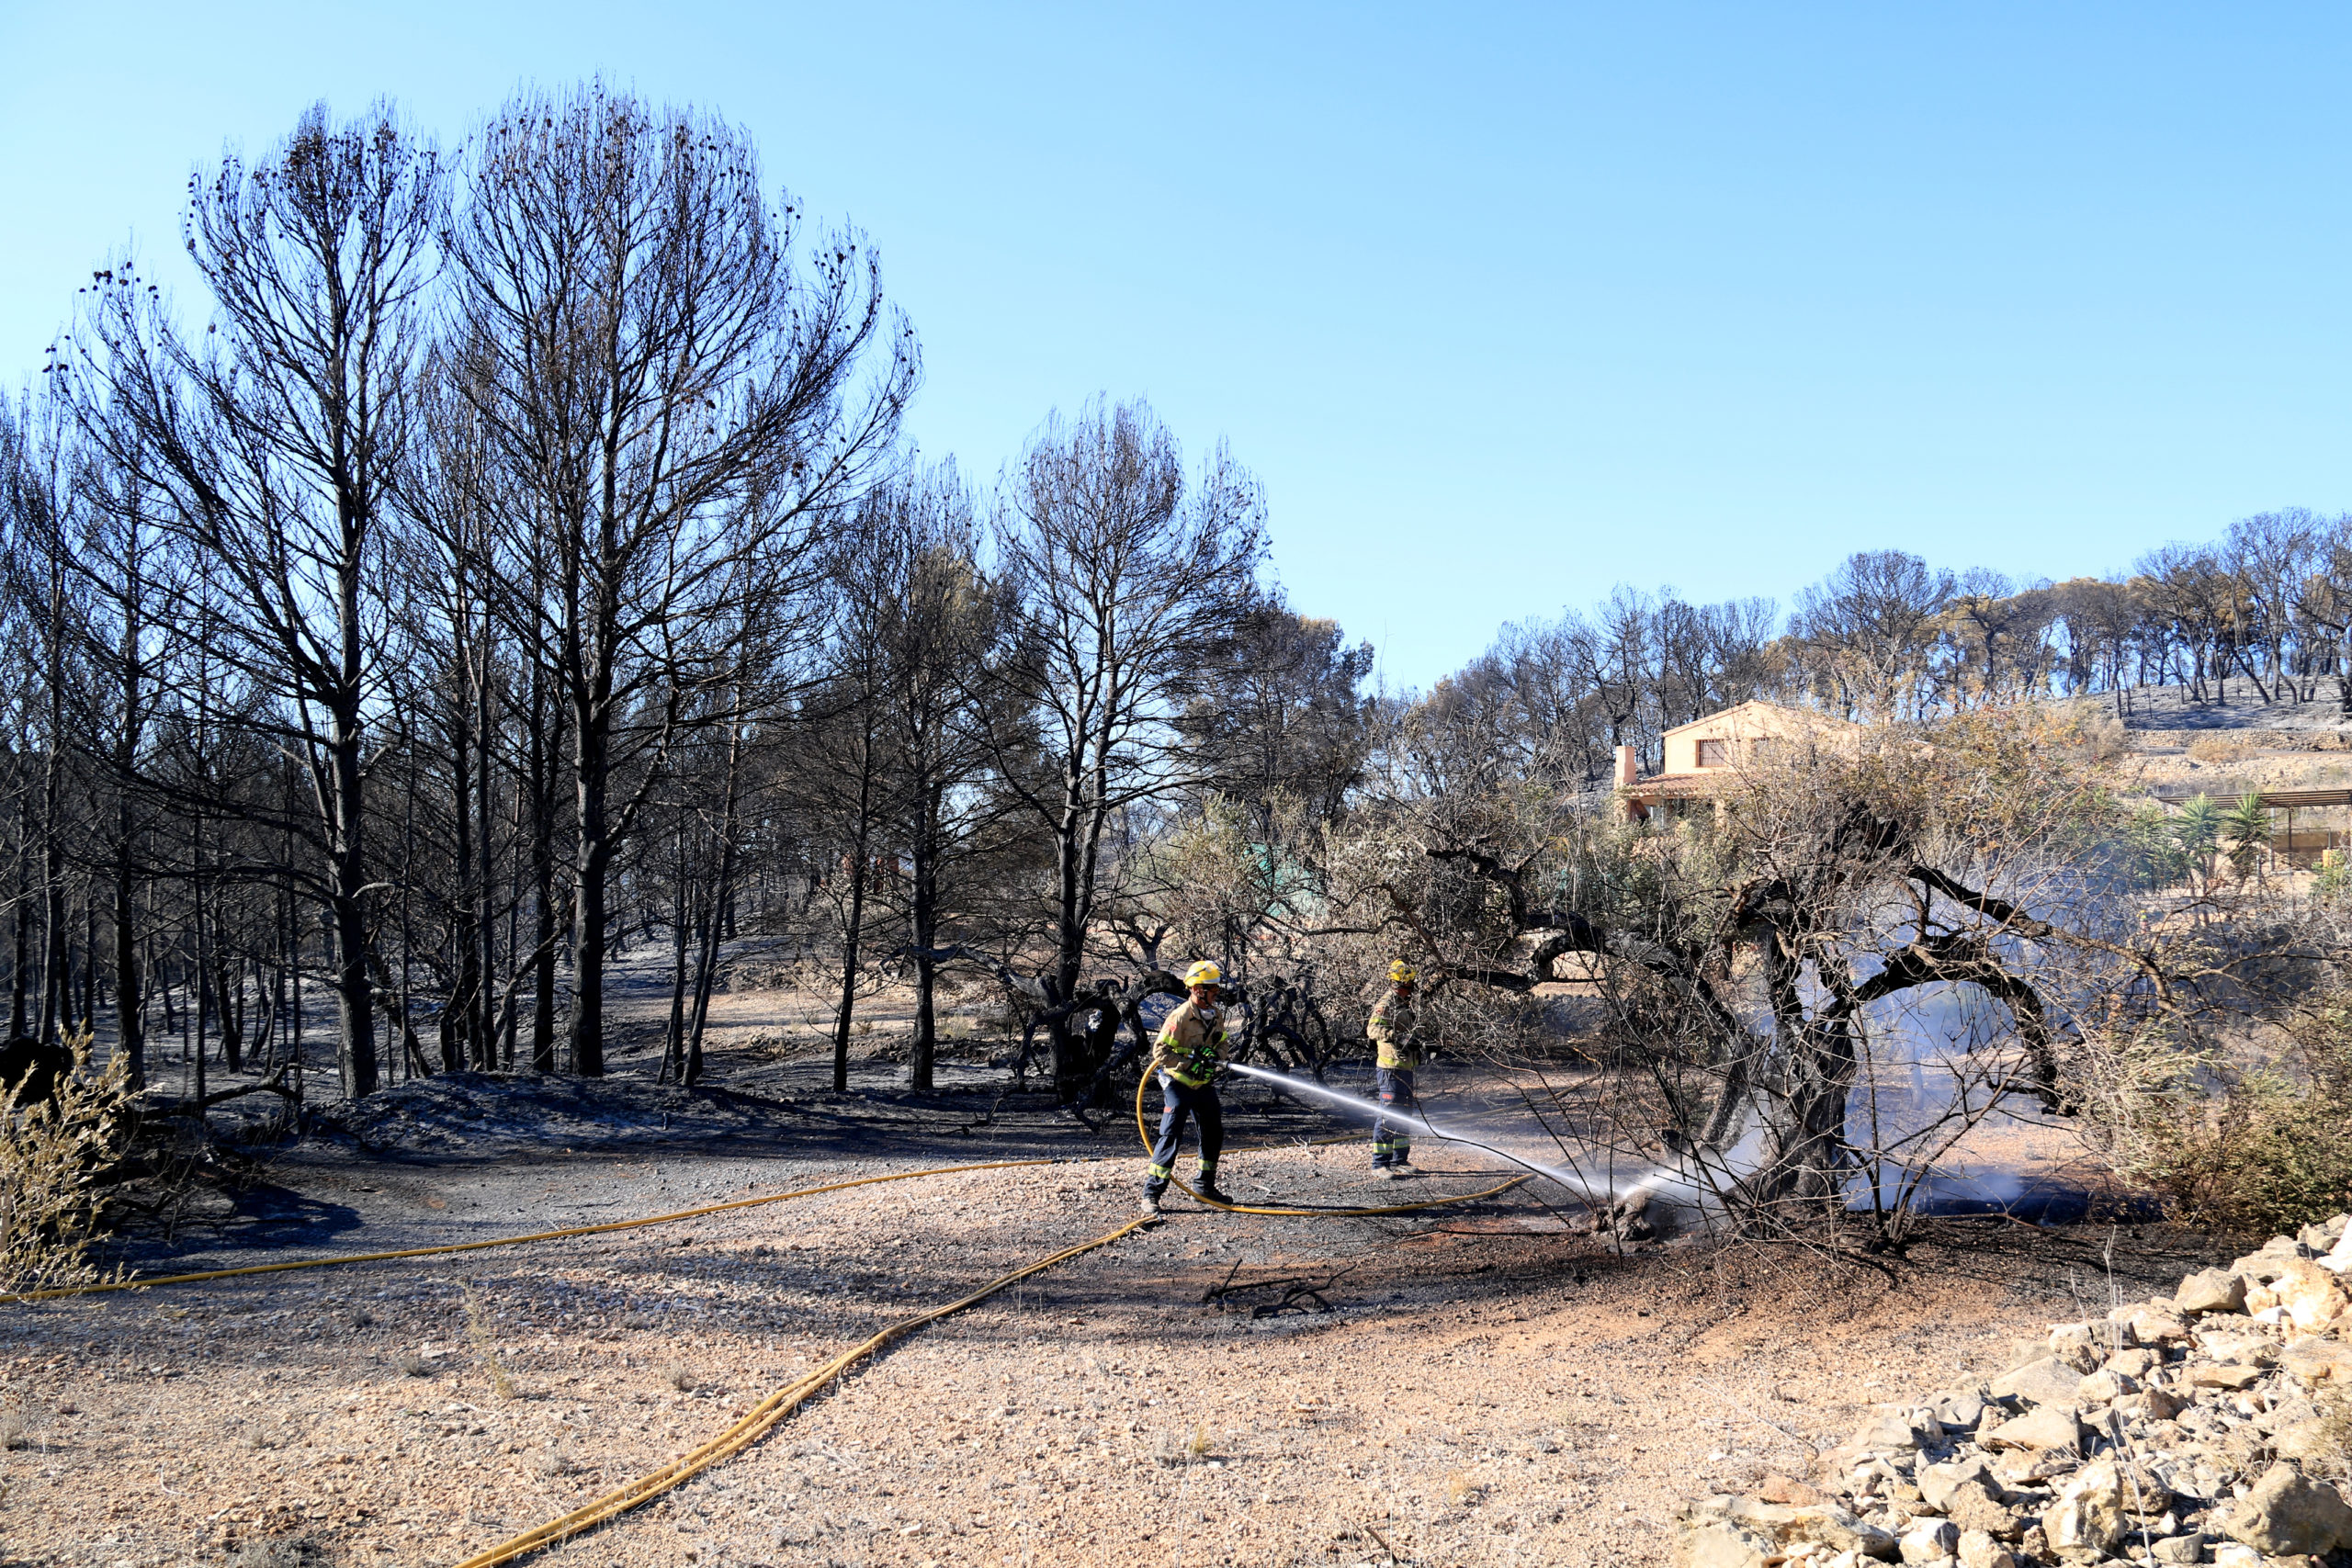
(1483, 1388)
(1480, 1386)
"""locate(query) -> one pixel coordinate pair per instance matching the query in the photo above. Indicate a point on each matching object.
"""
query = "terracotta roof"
(1664, 786)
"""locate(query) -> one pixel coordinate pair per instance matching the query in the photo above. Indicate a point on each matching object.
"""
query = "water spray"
(1143, 1130)
(1600, 1195)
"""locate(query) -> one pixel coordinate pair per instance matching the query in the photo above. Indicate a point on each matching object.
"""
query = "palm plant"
(2198, 832)
(2245, 828)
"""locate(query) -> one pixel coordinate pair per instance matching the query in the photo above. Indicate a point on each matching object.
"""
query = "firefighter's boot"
(1210, 1191)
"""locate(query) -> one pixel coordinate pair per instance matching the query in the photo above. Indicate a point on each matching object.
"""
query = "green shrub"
(2270, 1148)
(2334, 881)
(2153, 851)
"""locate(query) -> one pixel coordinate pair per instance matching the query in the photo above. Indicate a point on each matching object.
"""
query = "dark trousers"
(1179, 1105)
(1391, 1144)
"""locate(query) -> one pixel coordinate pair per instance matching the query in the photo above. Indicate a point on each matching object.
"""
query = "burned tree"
(1756, 960)
(270, 446)
(682, 402)
(1129, 578)
(934, 616)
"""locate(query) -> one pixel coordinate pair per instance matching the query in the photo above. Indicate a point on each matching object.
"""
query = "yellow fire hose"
(762, 1416)
(1143, 1130)
(146, 1281)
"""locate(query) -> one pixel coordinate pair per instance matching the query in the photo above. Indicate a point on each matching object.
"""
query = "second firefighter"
(1395, 1027)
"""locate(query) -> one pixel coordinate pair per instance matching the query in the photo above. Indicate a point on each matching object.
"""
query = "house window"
(1711, 754)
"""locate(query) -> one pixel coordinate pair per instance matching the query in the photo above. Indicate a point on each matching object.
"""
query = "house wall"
(1744, 731)
(1682, 750)
(1740, 741)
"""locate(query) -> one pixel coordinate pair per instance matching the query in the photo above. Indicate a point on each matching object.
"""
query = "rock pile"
(2210, 1426)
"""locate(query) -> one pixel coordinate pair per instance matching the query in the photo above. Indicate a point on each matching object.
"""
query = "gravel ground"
(1481, 1386)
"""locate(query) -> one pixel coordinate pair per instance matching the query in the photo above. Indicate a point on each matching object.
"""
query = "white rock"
(2089, 1512)
(2339, 1257)
(1978, 1550)
(1938, 1482)
(1929, 1541)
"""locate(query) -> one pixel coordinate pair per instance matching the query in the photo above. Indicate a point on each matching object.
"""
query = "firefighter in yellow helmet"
(1394, 1026)
(1189, 1053)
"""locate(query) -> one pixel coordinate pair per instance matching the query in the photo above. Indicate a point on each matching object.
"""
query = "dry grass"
(478, 1337)
(21, 1424)
(1182, 1447)
(49, 1209)
(2327, 1446)
(2224, 748)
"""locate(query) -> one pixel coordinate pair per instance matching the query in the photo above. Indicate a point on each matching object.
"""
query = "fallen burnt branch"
(1297, 1290)
(275, 1084)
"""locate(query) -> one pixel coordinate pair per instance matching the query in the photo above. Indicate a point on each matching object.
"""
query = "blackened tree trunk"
(852, 927)
(592, 863)
(20, 917)
(922, 923)
(723, 889)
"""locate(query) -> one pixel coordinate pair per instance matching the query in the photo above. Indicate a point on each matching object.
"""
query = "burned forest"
(597, 942)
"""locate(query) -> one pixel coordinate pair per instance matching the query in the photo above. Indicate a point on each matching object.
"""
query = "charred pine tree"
(275, 439)
(938, 620)
(1128, 577)
(680, 402)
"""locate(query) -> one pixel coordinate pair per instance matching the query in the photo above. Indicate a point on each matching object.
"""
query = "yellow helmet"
(1203, 974)
(1401, 973)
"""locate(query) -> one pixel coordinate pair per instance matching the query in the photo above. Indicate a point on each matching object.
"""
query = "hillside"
(2175, 746)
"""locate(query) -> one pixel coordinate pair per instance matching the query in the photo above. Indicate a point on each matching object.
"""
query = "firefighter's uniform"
(1394, 1026)
(1190, 1050)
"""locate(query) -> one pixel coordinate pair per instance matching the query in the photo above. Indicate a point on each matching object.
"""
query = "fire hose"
(337, 1261)
(1143, 1130)
(763, 1416)
(145, 1282)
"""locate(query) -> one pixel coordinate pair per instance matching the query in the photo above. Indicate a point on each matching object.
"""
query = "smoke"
(1936, 1060)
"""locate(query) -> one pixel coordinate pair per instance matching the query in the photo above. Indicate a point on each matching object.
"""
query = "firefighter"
(1190, 1054)
(1393, 1027)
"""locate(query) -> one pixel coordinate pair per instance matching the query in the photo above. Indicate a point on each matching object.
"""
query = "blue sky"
(1505, 304)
